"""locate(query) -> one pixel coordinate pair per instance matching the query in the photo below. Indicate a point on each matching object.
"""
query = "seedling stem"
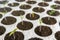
(22, 18)
(12, 32)
(40, 22)
(33, 15)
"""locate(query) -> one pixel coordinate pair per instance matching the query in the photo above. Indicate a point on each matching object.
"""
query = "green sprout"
(33, 15)
(52, 12)
(53, 6)
(12, 32)
(40, 21)
(22, 18)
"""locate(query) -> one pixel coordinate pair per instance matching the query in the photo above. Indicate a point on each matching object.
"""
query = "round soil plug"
(13, 4)
(24, 6)
(24, 25)
(32, 16)
(5, 9)
(31, 2)
(16, 36)
(53, 13)
(2, 30)
(38, 9)
(20, 0)
(43, 31)
(35, 38)
(43, 4)
(18, 12)
(49, 20)
(57, 2)
(8, 20)
(55, 7)
(47, 0)
(57, 35)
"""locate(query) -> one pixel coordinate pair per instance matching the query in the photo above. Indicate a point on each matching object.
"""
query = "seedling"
(33, 15)
(52, 12)
(12, 32)
(53, 6)
(22, 18)
(40, 22)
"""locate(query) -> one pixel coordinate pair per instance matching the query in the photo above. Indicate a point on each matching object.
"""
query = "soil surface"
(55, 13)
(47, 0)
(20, 0)
(16, 36)
(31, 2)
(38, 9)
(57, 2)
(13, 4)
(5, 9)
(43, 31)
(24, 25)
(49, 20)
(43, 4)
(24, 6)
(2, 30)
(18, 12)
(57, 35)
(8, 20)
(35, 38)
(32, 16)
(3, 2)
(55, 7)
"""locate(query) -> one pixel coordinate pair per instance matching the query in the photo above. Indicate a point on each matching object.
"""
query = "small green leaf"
(12, 32)
(40, 21)
(52, 12)
(53, 6)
